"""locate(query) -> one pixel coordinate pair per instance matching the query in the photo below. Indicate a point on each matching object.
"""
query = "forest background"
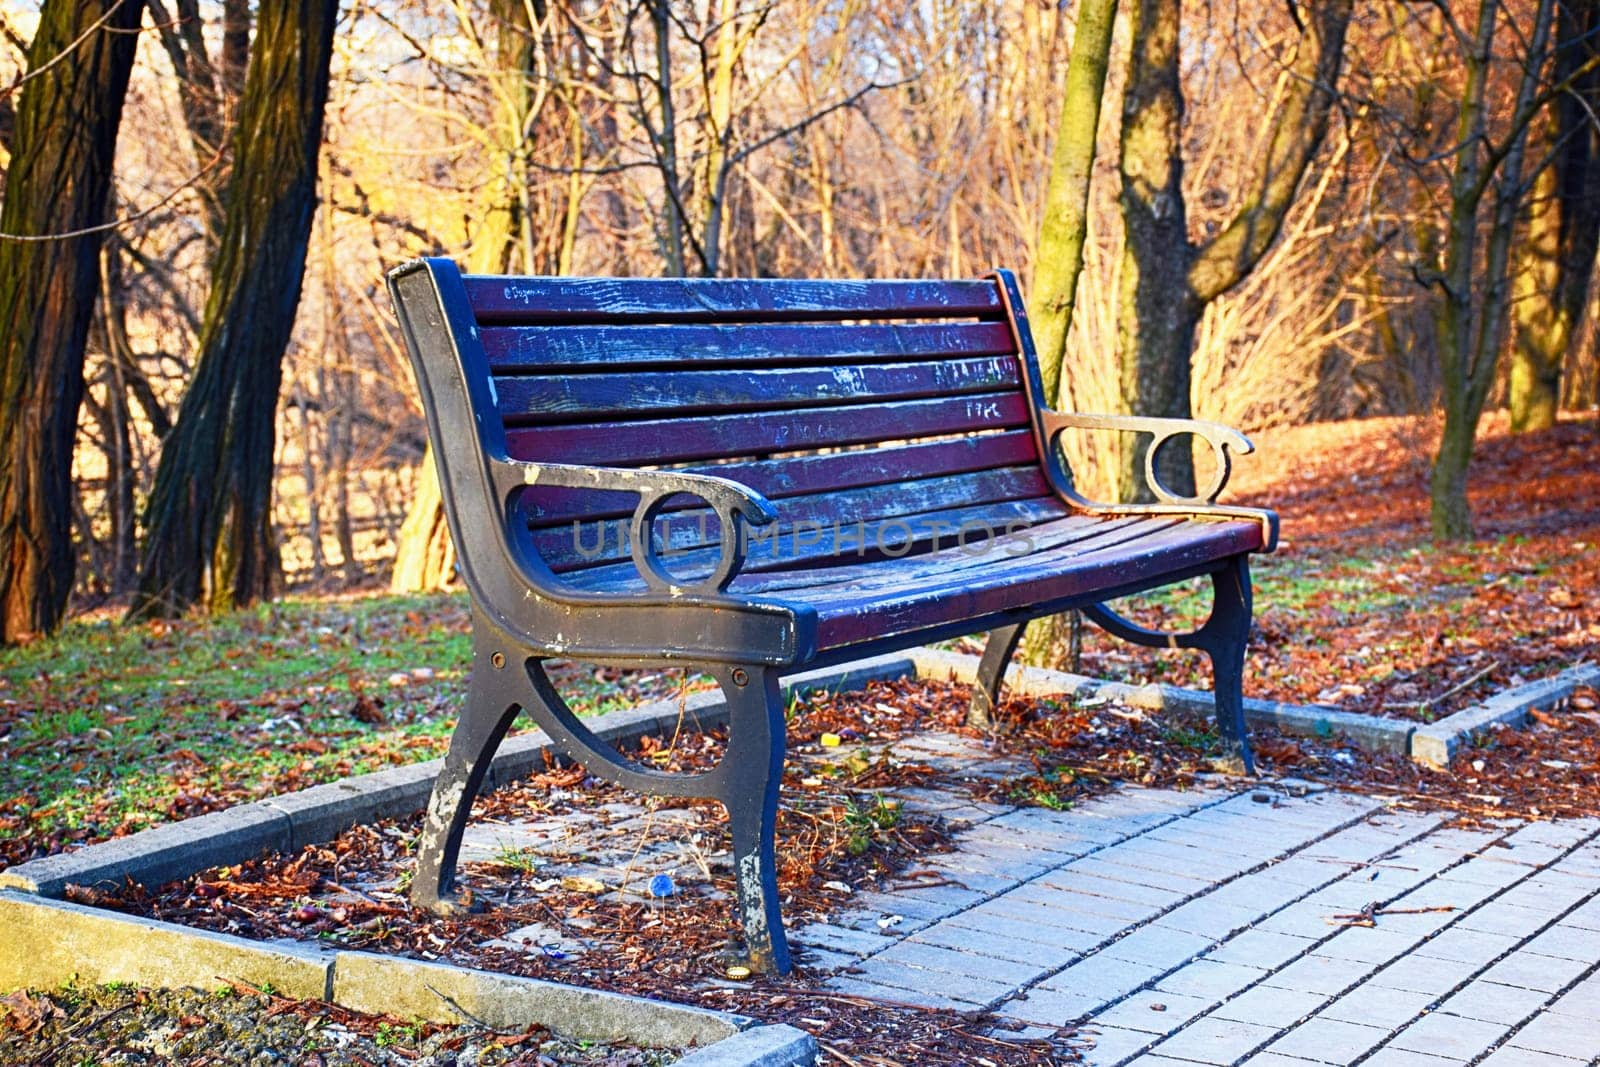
(1283, 213)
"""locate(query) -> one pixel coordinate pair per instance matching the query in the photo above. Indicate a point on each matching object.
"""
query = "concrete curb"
(778, 1045)
(51, 942)
(310, 816)
(1366, 731)
(1437, 743)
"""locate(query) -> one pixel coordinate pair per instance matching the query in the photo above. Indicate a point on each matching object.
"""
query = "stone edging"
(1432, 744)
(1367, 731)
(1437, 743)
(51, 942)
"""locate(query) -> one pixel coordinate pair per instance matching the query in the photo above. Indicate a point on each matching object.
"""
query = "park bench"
(747, 476)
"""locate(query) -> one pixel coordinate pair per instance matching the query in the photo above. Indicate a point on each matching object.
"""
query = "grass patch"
(106, 728)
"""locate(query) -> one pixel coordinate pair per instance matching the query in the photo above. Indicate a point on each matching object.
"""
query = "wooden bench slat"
(496, 299)
(764, 556)
(570, 544)
(525, 401)
(778, 479)
(523, 350)
(825, 576)
(759, 434)
(845, 618)
(1073, 534)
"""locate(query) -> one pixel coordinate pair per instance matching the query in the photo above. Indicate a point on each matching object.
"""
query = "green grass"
(107, 727)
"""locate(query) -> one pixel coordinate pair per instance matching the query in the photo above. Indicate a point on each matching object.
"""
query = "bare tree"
(1469, 271)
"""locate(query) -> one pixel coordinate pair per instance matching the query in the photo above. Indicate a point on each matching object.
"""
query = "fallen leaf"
(24, 1013)
(368, 710)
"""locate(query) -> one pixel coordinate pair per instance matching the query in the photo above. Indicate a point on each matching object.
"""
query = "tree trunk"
(121, 475)
(1066, 201)
(56, 182)
(1563, 228)
(666, 139)
(1474, 307)
(1157, 313)
(1167, 281)
(1543, 329)
(424, 557)
(208, 526)
(1447, 482)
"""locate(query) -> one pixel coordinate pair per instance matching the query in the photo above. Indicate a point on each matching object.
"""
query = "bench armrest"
(735, 505)
(1221, 439)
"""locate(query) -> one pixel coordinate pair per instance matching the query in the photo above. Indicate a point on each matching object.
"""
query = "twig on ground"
(1424, 705)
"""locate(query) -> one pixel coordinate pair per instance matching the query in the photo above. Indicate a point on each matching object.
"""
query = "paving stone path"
(1198, 927)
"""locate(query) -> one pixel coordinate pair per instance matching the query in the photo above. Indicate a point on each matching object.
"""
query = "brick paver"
(1199, 927)
(1180, 930)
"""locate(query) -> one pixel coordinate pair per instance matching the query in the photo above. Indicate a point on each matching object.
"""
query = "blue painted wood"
(594, 301)
(585, 543)
(800, 475)
(587, 349)
(536, 400)
(675, 441)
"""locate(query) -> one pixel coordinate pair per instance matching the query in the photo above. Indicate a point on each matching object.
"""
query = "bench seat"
(1059, 558)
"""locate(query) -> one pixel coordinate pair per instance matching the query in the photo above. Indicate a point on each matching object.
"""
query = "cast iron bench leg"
(746, 782)
(493, 701)
(991, 674)
(1222, 638)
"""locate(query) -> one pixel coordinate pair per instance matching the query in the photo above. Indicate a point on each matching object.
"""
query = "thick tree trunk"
(209, 522)
(1157, 313)
(1447, 482)
(56, 182)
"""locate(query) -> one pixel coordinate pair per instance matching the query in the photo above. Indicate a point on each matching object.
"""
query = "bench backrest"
(859, 401)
